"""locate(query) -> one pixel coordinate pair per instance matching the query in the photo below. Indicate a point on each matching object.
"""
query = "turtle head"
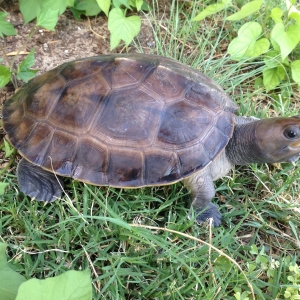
(279, 139)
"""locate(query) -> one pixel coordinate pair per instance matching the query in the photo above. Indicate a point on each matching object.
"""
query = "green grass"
(96, 228)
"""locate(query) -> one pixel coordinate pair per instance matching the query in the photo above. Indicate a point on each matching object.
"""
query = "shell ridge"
(57, 97)
(29, 135)
(48, 146)
(121, 120)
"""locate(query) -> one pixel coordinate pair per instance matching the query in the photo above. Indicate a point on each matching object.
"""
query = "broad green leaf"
(223, 264)
(246, 45)
(286, 39)
(276, 15)
(28, 62)
(136, 3)
(259, 47)
(291, 8)
(273, 59)
(241, 295)
(8, 149)
(296, 17)
(246, 10)
(272, 77)
(122, 28)
(104, 5)
(145, 6)
(77, 13)
(139, 4)
(10, 280)
(4, 76)
(72, 285)
(251, 267)
(295, 67)
(275, 45)
(118, 3)
(90, 7)
(5, 27)
(59, 5)
(258, 83)
(24, 73)
(29, 9)
(254, 249)
(262, 259)
(47, 18)
(70, 2)
(3, 186)
(211, 10)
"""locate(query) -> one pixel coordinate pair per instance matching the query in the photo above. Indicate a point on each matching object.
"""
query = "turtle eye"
(291, 133)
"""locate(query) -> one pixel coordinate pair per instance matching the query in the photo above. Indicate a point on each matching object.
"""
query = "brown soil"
(71, 40)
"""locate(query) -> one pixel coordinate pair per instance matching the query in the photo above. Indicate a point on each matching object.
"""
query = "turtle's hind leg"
(38, 183)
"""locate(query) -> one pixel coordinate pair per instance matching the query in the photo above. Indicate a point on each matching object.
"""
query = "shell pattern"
(120, 120)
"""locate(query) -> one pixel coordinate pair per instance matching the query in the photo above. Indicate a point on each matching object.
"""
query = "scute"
(78, 101)
(21, 131)
(36, 141)
(128, 117)
(85, 67)
(213, 143)
(167, 84)
(200, 94)
(183, 123)
(190, 162)
(41, 102)
(125, 168)
(121, 120)
(161, 167)
(126, 72)
(91, 161)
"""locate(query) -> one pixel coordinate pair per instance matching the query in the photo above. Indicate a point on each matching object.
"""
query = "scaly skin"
(253, 141)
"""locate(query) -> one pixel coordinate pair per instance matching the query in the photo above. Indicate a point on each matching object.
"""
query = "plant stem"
(12, 72)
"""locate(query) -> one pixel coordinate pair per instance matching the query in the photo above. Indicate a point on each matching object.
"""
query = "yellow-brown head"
(279, 138)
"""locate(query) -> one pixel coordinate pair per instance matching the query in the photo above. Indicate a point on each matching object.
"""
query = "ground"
(46, 240)
(72, 39)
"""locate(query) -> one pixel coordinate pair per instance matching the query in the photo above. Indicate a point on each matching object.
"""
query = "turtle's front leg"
(202, 192)
(38, 183)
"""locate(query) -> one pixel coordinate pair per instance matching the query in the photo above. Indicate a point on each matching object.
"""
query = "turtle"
(137, 120)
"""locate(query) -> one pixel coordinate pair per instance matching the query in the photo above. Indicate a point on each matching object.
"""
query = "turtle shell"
(120, 120)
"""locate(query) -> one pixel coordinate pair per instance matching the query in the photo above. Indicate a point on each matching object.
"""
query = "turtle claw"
(211, 211)
(37, 183)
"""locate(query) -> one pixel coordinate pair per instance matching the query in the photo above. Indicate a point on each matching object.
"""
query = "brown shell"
(120, 120)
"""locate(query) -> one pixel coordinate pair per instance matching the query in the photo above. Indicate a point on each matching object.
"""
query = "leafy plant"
(5, 29)
(24, 72)
(46, 18)
(46, 13)
(270, 268)
(10, 280)
(70, 285)
(275, 44)
(120, 26)
(293, 292)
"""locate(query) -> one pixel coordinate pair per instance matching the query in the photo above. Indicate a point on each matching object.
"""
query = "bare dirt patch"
(72, 39)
